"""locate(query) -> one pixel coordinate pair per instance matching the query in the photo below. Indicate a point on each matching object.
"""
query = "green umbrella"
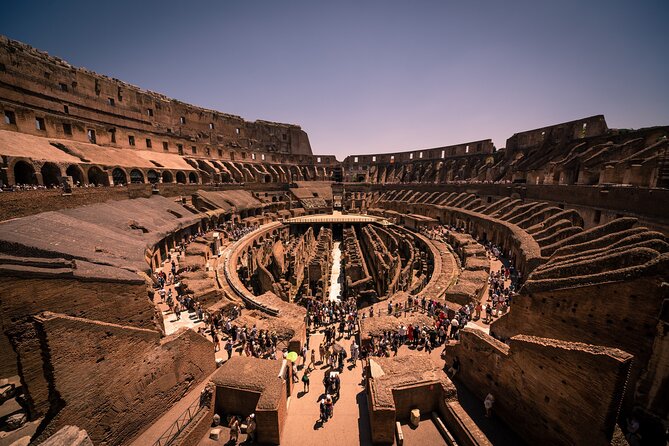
(291, 356)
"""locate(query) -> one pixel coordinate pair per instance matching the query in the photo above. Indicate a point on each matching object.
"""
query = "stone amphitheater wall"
(550, 392)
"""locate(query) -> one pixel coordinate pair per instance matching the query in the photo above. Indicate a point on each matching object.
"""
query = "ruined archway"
(192, 178)
(119, 176)
(136, 176)
(24, 173)
(181, 177)
(167, 177)
(76, 173)
(50, 174)
(97, 177)
(152, 176)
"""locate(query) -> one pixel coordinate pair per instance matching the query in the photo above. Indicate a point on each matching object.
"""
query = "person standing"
(228, 348)
(488, 403)
(234, 430)
(312, 363)
(305, 381)
(251, 428)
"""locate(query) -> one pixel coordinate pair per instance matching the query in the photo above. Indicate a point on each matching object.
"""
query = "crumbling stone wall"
(548, 391)
(115, 380)
(319, 264)
(358, 280)
(116, 302)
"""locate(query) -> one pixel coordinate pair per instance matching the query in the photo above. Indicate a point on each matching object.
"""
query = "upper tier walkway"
(337, 217)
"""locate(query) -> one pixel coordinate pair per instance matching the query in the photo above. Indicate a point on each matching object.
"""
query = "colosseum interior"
(166, 267)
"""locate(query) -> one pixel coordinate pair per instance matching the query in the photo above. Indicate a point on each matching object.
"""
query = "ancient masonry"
(105, 183)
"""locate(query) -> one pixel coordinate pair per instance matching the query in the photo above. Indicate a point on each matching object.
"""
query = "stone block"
(415, 417)
(215, 434)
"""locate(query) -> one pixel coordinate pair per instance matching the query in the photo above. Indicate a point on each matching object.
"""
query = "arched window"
(181, 177)
(192, 177)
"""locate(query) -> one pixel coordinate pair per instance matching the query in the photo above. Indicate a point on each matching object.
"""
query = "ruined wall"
(120, 303)
(582, 128)
(109, 392)
(616, 314)
(550, 392)
(34, 81)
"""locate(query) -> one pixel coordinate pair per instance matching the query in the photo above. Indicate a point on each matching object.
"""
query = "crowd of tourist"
(234, 232)
(339, 319)
(19, 187)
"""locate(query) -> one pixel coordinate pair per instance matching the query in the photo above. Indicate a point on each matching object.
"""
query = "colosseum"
(173, 275)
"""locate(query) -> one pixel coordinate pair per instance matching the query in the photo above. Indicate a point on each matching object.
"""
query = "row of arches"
(26, 173)
(49, 173)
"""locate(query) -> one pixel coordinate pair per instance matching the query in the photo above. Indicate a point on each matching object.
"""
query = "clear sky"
(375, 76)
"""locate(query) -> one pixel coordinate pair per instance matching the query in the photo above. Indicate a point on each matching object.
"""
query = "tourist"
(234, 429)
(305, 381)
(632, 436)
(251, 428)
(488, 403)
(321, 352)
(488, 313)
(329, 407)
(354, 353)
(455, 367)
(323, 409)
(215, 340)
(228, 347)
(305, 350)
(312, 363)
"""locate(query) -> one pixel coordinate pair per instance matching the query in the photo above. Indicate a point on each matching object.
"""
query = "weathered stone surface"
(69, 436)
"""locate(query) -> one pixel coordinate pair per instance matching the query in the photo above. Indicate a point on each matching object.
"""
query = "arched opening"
(76, 174)
(192, 177)
(167, 176)
(119, 176)
(50, 174)
(97, 177)
(152, 176)
(181, 177)
(24, 173)
(268, 178)
(136, 176)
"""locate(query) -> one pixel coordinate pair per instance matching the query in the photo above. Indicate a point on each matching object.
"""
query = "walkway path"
(172, 324)
(350, 422)
(495, 265)
(335, 273)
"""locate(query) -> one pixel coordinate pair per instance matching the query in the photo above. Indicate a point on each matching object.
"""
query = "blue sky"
(375, 76)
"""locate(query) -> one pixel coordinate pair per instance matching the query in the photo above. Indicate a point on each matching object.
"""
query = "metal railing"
(168, 437)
